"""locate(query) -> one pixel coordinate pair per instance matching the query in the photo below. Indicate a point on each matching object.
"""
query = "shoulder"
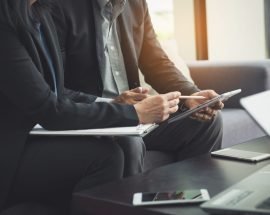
(136, 11)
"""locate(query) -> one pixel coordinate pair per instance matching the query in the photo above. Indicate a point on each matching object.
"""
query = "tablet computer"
(208, 103)
(243, 155)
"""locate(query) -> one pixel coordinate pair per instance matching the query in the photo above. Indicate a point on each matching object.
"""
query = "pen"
(192, 97)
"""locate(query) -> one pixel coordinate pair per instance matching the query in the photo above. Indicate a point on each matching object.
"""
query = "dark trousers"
(51, 168)
(183, 139)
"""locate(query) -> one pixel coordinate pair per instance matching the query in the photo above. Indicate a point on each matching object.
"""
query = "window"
(234, 29)
(161, 12)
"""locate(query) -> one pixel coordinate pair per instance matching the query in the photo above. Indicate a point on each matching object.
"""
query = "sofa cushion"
(238, 127)
(251, 77)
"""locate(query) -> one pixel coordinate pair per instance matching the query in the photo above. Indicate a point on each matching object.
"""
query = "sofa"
(252, 77)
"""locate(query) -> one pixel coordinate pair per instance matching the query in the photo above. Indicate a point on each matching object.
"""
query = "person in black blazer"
(78, 25)
(49, 169)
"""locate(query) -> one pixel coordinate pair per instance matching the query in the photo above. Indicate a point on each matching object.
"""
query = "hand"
(207, 113)
(155, 109)
(133, 96)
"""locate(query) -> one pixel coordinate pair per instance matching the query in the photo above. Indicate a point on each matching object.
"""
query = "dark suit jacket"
(26, 97)
(141, 50)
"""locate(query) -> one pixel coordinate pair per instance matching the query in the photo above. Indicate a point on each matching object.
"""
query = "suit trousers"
(52, 168)
(182, 139)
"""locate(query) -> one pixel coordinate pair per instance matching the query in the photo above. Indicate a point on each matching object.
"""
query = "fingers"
(219, 105)
(205, 115)
(145, 90)
(173, 109)
(209, 94)
(137, 90)
(130, 97)
(172, 95)
(202, 117)
(173, 103)
(138, 97)
(142, 90)
(209, 111)
(157, 108)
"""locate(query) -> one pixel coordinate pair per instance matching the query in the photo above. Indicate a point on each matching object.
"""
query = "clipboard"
(222, 97)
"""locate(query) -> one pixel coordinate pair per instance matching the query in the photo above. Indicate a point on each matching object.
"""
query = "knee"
(217, 131)
(218, 122)
(215, 128)
(132, 147)
(115, 158)
(106, 164)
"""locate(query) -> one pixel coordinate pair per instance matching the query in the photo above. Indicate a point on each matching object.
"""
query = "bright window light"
(160, 5)
(161, 12)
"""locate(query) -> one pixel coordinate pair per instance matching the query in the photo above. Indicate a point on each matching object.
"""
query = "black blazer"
(26, 97)
(141, 50)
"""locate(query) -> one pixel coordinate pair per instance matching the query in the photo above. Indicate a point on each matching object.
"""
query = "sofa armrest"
(251, 77)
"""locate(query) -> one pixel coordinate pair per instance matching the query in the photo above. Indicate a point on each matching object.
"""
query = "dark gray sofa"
(251, 77)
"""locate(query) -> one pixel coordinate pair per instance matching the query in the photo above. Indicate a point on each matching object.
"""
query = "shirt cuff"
(100, 99)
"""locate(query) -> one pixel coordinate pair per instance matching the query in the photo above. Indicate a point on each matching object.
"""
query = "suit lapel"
(54, 49)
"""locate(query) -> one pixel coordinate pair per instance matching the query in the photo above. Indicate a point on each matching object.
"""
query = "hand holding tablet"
(208, 103)
(207, 113)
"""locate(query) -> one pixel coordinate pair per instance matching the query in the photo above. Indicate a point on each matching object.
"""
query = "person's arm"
(25, 87)
(132, 96)
(129, 97)
(79, 97)
(163, 76)
(157, 68)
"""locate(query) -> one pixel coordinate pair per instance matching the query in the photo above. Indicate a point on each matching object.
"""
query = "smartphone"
(171, 197)
(241, 155)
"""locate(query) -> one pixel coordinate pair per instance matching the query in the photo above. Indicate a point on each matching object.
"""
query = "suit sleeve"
(79, 97)
(24, 86)
(158, 70)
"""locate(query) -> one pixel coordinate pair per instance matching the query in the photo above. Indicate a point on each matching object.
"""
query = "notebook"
(249, 196)
(140, 130)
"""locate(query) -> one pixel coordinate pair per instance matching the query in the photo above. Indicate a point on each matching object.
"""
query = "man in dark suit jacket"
(32, 91)
(91, 32)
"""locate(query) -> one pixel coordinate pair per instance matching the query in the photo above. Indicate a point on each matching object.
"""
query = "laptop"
(252, 194)
(258, 106)
(249, 196)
